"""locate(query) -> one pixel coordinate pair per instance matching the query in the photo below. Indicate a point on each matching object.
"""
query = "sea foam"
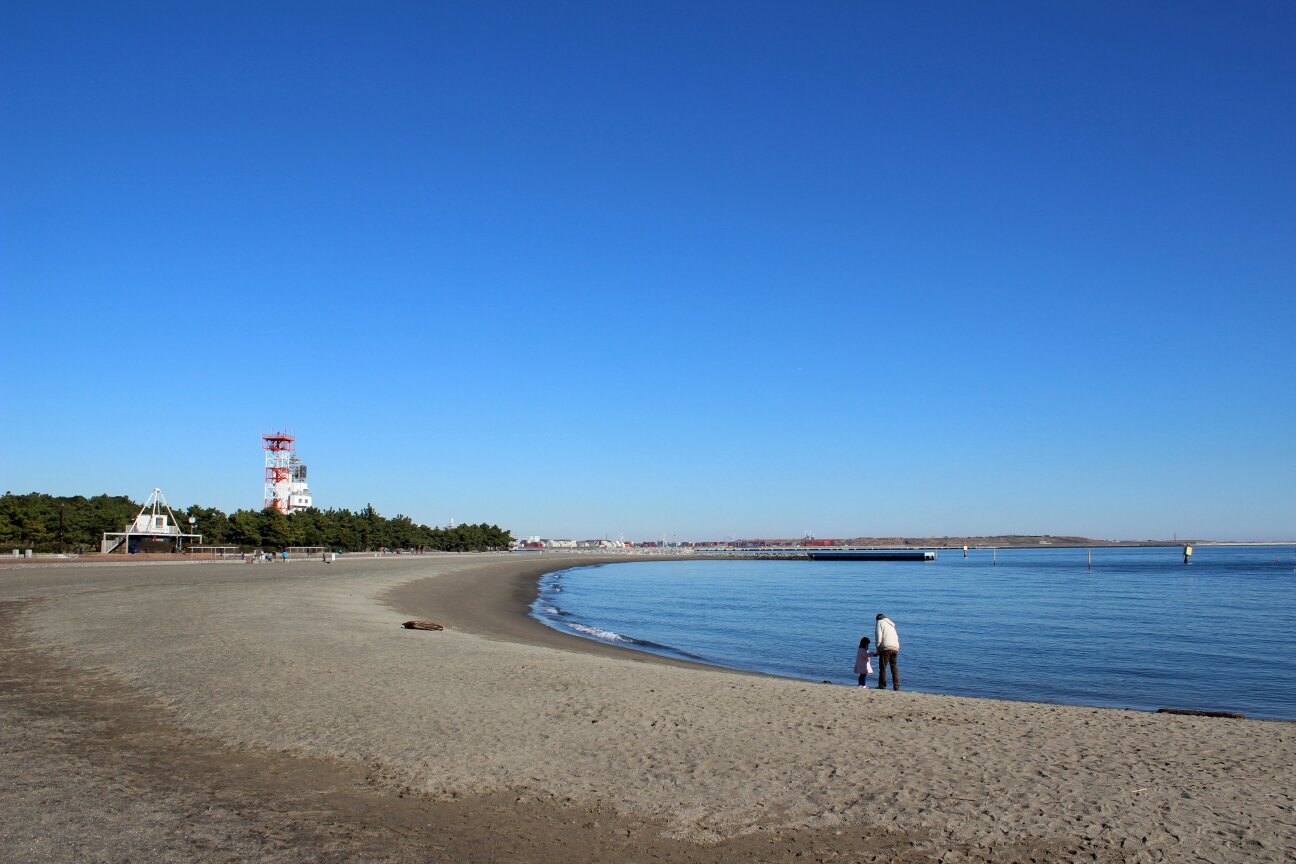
(605, 635)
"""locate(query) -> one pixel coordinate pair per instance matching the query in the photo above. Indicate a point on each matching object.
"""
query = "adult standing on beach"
(888, 651)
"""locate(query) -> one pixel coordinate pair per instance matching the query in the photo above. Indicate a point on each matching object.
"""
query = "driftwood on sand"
(422, 625)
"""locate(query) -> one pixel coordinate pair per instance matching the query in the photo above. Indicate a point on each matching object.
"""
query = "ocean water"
(1139, 630)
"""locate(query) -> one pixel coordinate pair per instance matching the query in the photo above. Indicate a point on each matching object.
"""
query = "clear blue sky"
(681, 269)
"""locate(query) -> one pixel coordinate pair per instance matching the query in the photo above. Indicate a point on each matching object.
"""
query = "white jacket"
(885, 637)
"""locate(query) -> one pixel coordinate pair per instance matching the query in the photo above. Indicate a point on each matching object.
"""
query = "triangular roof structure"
(152, 528)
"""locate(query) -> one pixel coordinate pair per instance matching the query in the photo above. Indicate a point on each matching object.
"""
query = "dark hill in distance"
(1001, 541)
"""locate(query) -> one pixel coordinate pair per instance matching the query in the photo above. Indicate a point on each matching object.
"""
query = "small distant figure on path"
(888, 653)
(863, 667)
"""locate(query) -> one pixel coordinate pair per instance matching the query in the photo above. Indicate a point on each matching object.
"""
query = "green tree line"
(48, 523)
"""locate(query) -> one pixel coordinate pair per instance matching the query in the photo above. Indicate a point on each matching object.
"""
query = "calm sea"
(1139, 630)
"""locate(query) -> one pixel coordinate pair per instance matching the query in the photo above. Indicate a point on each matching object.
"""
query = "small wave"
(605, 635)
(610, 636)
(660, 647)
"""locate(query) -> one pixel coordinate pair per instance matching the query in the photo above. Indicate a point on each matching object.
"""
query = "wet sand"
(220, 712)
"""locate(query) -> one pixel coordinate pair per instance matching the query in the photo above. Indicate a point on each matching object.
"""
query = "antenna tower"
(278, 447)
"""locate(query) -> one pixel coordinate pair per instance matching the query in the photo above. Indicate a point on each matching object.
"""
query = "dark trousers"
(891, 658)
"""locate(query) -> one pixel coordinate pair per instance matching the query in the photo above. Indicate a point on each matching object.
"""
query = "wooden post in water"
(964, 551)
(1090, 559)
(994, 555)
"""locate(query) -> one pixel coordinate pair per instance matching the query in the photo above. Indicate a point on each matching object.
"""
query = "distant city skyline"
(675, 271)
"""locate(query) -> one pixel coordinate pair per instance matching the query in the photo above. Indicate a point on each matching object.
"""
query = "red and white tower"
(278, 447)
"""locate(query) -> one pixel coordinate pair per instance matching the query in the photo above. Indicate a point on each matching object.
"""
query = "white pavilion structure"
(155, 529)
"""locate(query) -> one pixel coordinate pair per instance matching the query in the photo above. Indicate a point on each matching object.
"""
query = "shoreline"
(500, 607)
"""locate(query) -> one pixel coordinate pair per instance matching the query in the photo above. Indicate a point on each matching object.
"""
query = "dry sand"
(225, 712)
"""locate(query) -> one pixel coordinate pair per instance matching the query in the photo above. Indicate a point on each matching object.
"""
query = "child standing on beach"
(862, 665)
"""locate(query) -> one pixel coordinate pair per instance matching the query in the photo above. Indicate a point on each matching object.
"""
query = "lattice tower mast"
(278, 447)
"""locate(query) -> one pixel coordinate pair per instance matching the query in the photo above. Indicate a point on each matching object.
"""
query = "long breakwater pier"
(801, 553)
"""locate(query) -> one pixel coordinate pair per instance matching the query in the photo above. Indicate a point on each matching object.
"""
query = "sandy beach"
(228, 712)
